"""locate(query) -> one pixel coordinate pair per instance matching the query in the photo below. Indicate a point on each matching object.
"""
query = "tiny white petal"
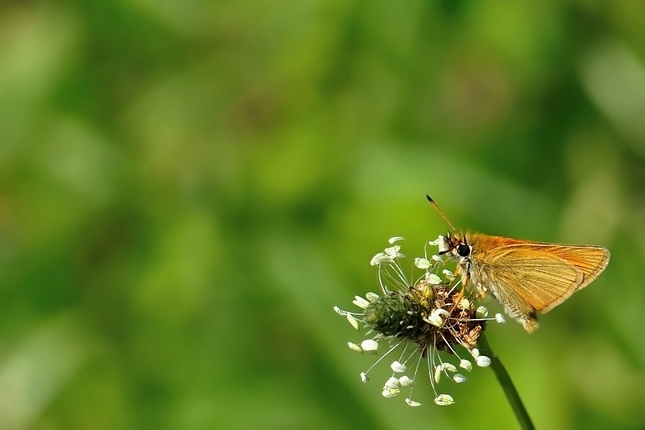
(421, 263)
(449, 367)
(433, 279)
(352, 321)
(354, 347)
(369, 345)
(442, 312)
(443, 244)
(437, 258)
(406, 381)
(444, 400)
(500, 318)
(395, 239)
(437, 374)
(448, 274)
(392, 384)
(392, 251)
(483, 361)
(412, 403)
(459, 378)
(390, 394)
(364, 377)
(464, 304)
(379, 258)
(360, 302)
(434, 319)
(339, 311)
(372, 297)
(481, 312)
(474, 352)
(465, 364)
(438, 241)
(398, 367)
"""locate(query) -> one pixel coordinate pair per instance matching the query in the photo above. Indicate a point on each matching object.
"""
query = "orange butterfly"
(525, 277)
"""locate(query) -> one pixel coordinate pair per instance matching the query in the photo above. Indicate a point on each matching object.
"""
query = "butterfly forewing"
(591, 260)
(543, 281)
(542, 275)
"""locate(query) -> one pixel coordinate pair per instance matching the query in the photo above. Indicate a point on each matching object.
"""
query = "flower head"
(425, 320)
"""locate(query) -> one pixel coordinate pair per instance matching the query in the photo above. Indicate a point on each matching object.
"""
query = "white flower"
(449, 367)
(459, 378)
(355, 347)
(405, 381)
(369, 345)
(364, 377)
(361, 302)
(372, 297)
(393, 252)
(352, 321)
(448, 274)
(437, 374)
(442, 244)
(483, 361)
(444, 400)
(433, 279)
(392, 383)
(380, 258)
(436, 318)
(465, 364)
(481, 312)
(390, 393)
(412, 403)
(422, 263)
(391, 388)
(437, 242)
(443, 367)
(500, 318)
(464, 304)
(398, 367)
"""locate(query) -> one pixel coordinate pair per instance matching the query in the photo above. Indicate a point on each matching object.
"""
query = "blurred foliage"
(187, 188)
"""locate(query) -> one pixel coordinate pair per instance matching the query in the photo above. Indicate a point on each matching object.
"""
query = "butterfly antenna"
(436, 206)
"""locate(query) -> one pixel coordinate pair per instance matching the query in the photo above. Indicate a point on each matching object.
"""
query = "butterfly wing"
(590, 260)
(522, 277)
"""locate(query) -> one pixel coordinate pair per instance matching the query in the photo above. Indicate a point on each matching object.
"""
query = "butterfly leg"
(464, 282)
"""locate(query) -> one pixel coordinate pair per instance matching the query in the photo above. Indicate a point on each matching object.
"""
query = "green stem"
(507, 385)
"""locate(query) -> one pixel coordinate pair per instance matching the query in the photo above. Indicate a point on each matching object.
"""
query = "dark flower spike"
(420, 321)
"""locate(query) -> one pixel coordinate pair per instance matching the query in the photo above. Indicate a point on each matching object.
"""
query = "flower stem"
(507, 385)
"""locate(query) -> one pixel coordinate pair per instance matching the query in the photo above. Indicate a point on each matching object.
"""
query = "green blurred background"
(188, 187)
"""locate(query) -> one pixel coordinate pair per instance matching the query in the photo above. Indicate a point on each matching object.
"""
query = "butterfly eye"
(463, 250)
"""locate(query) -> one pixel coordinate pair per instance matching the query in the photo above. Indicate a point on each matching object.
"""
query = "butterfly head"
(456, 246)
